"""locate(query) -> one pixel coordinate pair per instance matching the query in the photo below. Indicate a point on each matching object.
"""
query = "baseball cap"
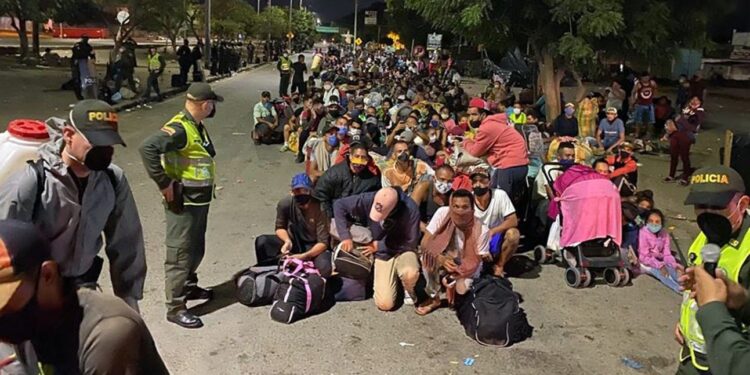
(301, 181)
(384, 202)
(612, 110)
(200, 91)
(479, 171)
(23, 249)
(326, 127)
(479, 103)
(97, 121)
(714, 186)
(407, 136)
(570, 105)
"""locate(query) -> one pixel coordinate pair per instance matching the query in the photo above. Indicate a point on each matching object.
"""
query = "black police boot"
(185, 319)
(194, 292)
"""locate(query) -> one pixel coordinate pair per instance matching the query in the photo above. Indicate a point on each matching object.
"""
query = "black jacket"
(339, 182)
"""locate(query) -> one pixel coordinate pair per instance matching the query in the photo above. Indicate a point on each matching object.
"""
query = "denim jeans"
(670, 280)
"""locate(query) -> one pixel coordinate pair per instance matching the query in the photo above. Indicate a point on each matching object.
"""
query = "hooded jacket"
(339, 182)
(74, 226)
(504, 146)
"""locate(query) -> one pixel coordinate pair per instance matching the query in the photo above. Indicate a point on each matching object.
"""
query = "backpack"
(491, 315)
(257, 286)
(300, 293)
(41, 179)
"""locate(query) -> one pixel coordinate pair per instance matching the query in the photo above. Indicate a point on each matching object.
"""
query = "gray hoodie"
(74, 228)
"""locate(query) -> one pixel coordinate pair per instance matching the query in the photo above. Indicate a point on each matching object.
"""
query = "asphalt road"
(586, 331)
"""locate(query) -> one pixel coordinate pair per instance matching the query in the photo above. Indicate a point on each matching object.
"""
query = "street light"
(258, 7)
(355, 23)
(207, 45)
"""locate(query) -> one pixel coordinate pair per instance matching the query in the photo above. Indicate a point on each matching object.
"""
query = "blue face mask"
(567, 163)
(333, 140)
(569, 111)
(653, 228)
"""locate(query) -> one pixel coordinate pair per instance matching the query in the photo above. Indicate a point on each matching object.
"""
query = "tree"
(168, 17)
(570, 35)
(20, 11)
(303, 27)
(231, 17)
(273, 22)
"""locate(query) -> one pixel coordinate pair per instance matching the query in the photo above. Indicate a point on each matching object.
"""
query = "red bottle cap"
(25, 128)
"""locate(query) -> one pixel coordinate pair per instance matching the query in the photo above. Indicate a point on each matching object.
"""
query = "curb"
(177, 90)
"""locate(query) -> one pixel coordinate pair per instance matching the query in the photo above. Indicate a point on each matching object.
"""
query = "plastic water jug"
(21, 142)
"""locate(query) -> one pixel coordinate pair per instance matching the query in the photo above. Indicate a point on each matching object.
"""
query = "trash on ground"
(469, 361)
(632, 363)
(236, 133)
(405, 344)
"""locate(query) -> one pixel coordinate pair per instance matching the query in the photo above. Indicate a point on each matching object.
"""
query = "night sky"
(327, 10)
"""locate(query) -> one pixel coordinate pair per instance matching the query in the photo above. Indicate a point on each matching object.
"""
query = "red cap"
(25, 128)
(479, 103)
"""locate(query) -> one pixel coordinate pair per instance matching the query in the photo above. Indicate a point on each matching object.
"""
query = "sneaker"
(684, 182)
(669, 179)
(284, 148)
(407, 299)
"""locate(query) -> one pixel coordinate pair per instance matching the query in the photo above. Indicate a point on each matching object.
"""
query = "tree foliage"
(232, 17)
(574, 34)
(303, 27)
(273, 21)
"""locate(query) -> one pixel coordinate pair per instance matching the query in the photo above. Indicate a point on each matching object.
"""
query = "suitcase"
(347, 289)
(197, 75)
(177, 80)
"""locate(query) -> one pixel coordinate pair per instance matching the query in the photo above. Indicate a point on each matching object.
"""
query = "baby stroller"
(591, 221)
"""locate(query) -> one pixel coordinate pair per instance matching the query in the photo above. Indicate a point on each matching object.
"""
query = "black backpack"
(257, 286)
(491, 314)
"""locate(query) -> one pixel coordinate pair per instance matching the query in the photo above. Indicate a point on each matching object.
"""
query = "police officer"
(285, 71)
(727, 346)
(73, 194)
(718, 196)
(156, 65)
(186, 180)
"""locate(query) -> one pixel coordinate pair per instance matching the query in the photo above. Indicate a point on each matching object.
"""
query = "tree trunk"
(35, 38)
(173, 40)
(24, 39)
(550, 84)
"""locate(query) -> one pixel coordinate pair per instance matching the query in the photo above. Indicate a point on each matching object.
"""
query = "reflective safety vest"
(153, 62)
(733, 257)
(192, 165)
(285, 65)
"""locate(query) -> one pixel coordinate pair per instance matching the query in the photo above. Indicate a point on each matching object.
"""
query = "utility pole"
(289, 35)
(258, 7)
(356, 6)
(207, 44)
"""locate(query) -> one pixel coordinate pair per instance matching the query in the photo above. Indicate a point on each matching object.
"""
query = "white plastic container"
(21, 142)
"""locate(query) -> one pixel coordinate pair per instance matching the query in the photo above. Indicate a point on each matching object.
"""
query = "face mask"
(327, 87)
(302, 199)
(517, 111)
(569, 111)
(434, 123)
(333, 140)
(433, 138)
(624, 154)
(481, 191)
(567, 163)
(443, 187)
(213, 112)
(717, 228)
(355, 132)
(343, 131)
(444, 116)
(653, 228)
(403, 157)
(20, 326)
(475, 123)
(99, 158)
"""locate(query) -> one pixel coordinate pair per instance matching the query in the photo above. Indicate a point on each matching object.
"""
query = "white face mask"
(517, 111)
(444, 116)
(442, 187)
(433, 138)
(418, 141)
(355, 132)
(327, 87)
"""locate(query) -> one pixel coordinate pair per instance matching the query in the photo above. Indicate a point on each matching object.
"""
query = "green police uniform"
(728, 346)
(183, 151)
(713, 186)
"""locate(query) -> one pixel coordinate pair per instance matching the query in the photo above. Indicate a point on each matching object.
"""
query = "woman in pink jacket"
(655, 254)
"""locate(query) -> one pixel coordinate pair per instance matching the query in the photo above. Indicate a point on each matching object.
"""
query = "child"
(679, 148)
(654, 252)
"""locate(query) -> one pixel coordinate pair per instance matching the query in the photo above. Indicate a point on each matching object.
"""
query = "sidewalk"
(35, 92)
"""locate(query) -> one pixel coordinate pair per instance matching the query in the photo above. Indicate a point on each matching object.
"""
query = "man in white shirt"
(495, 210)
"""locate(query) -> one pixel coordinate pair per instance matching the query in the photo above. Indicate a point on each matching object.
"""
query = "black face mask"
(717, 228)
(302, 199)
(213, 112)
(624, 154)
(475, 123)
(403, 157)
(99, 158)
(20, 326)
(481, 191)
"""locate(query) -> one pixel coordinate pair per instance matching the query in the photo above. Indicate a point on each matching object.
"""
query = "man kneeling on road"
(393, 218)
(452, 250)
(495, 210)
(72, 330)
(302, 230)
